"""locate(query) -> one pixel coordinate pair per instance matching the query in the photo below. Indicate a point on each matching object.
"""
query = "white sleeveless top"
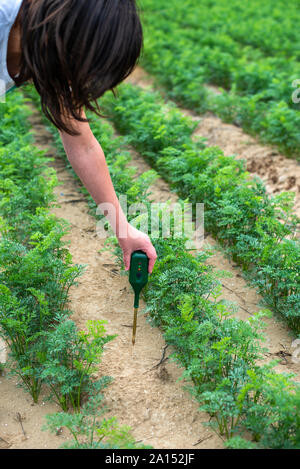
(9, 10)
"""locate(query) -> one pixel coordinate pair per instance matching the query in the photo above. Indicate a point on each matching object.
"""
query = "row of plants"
(257, 230)
(250, 406)
(47, 352)
(219, 352)
(258, 92)
(266, 27)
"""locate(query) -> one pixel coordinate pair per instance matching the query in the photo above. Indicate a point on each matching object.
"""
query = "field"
(209, 116)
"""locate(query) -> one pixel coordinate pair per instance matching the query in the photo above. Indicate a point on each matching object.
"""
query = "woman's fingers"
(152, 256)
(137, 241)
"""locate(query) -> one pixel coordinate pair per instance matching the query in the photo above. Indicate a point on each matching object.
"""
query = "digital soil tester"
(138, 278)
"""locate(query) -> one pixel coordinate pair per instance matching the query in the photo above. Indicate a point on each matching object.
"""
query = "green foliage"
(90, 430)
(219, 352)
(252, 56)
(47, 351)
(238, 442)
(257, 230)
(69, 357)
(272, 404)
(17, 331)
(36, 273)
(44, 265)
(13, 118)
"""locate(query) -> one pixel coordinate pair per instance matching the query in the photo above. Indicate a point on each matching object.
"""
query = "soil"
(148, 398)
(278, 172)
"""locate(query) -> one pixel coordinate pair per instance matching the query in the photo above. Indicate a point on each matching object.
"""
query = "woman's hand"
(137, 241)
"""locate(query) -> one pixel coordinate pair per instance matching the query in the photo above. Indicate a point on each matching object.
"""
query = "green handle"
(138, 276)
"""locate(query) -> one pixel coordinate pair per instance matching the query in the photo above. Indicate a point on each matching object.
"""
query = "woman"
(73, 51)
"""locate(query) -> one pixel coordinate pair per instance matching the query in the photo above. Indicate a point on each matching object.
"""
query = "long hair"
(76, 50)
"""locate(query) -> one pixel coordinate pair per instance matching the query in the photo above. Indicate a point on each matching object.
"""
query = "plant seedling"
(138, 278)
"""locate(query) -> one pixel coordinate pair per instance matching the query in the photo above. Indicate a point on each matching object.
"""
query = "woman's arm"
(88, 161)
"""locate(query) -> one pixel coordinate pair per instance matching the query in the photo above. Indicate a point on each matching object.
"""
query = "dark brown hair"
(75, 50)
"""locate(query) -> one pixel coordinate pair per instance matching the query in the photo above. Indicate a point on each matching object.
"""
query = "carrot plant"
(272, 404)
(15, 322)
(90, 430)
(69, 358)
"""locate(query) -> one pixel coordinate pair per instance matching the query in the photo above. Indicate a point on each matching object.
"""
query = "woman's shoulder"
(8, 11)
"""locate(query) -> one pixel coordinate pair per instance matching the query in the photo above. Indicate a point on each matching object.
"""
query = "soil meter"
(138, 278)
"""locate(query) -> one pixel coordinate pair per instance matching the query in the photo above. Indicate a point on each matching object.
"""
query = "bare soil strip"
(278, 172)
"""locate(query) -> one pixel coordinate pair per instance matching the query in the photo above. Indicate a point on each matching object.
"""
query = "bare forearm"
(88, 161)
